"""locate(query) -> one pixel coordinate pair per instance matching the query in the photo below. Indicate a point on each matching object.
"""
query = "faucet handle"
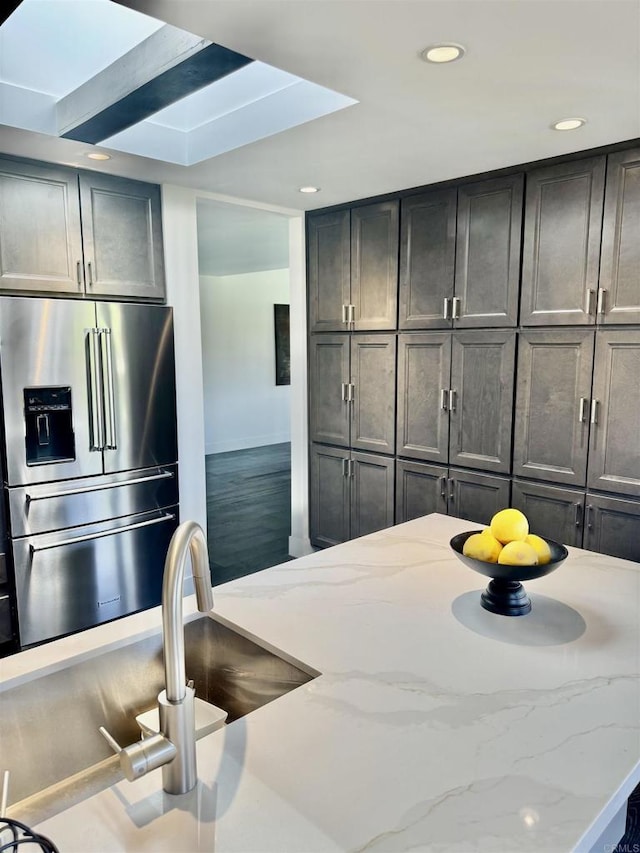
(140, 758)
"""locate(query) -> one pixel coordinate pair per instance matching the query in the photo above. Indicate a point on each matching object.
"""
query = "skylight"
(82, 85)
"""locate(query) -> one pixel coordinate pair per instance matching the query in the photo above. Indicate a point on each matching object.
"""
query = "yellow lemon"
(482, 546)
(518, 554)
(540, 547)
(509, 525)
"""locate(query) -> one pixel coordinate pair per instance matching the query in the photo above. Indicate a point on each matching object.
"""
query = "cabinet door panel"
(477, 497)
(614, 442)
(612, 527)
(372, 492)
(488, 252)
(40, 242)
(553, 513)
(427, 259)
(552, 405)
(420, 490)
(373, 374)
(482, 375)
(620, 264)
(328, 496)
(424, 365)
(329, 267)
(122, 234)
(374, 265)
(563, 220)
(328, 373)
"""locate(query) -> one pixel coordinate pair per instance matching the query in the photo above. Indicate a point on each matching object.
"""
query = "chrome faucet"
(174, 747)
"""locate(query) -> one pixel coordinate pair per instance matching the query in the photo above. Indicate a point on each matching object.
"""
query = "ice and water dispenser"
(49, 425)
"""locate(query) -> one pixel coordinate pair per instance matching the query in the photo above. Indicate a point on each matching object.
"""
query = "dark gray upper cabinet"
(40, 242)
(427, 259)
(420, 490)
(374, 266)
(122, 235)
(329, 270)
(372, 493)
(553, 399)
(561, 252)
(481, 399)
(373, 381)
(77, 233)
(614, 442)
(329, 496)
(488, 253)
(553, 512)
(424, 368)
(476, 497)
(612, 527)
(329, 409)
(619, 295)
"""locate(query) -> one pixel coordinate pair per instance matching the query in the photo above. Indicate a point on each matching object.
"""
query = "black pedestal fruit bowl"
(505, 594)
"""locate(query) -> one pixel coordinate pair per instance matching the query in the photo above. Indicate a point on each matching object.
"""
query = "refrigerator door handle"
(168, 516)
(96, 419)
(111, 442)
(161, 475)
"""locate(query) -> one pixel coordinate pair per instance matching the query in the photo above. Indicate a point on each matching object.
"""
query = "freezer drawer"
(74, 579)
(53, 506)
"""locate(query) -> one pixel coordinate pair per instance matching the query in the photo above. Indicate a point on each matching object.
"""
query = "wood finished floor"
(248, 510)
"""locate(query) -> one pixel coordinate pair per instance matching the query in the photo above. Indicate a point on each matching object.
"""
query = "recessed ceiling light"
(96, 155)
(568, 124)
(309, 190)
(442, 53)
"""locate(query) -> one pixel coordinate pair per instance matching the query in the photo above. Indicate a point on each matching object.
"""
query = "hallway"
(248, 510)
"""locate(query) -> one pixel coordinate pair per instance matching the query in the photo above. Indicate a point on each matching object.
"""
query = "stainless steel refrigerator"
(88, 398)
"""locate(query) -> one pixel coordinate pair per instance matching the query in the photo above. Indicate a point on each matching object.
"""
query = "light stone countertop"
(435, 726)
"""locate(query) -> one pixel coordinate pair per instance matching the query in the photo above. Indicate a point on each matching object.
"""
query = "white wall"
(243, 407)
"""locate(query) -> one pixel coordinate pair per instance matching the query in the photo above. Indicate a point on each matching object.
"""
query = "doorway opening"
(243, 258)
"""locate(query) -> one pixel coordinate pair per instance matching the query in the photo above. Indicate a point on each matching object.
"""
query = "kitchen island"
(433, 726)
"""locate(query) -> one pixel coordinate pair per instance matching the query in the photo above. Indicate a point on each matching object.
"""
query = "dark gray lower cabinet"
(614, 441)
(553, 397)
(351, 494)
(553, 512)
(422, 489)
(612, 526)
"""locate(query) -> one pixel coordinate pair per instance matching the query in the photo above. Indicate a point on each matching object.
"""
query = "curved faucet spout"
(189, 537)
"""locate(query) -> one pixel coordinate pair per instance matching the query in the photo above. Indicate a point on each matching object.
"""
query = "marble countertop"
(434, 725)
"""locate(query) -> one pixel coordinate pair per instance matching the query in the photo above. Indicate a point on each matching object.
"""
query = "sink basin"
(49, 739)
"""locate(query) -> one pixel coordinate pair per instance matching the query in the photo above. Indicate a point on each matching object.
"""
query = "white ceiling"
(528, 63)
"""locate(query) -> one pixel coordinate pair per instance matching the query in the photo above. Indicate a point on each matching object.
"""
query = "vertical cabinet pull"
(344, 314)
(344, 391)
(445, 309)
(582, 416)
(594, 411)
(345, 467)
(451, 489)
(79, 274)
(452, 399)
(456, 307)
(352, 315)
(352, 467)
(589, 302)
(578, 515)
(601, 296)
(589, 522)
(443, 487)
(351, 391)
(90, 271)
(444, 396)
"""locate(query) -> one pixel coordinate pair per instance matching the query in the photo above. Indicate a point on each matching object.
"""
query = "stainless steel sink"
(49, 739)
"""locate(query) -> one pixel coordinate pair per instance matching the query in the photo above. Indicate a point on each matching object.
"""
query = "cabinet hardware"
(344, 391)
(582, 416)
(444, 395)
(452, 400)
(589, 302)
(443, 487)
(451, 489)
(345, 467)
(578, 515)
(79, 273)
(352, 467)
(344, 313)
(594, 411)
(456, 307)
(90, 271)
(601, 295)
(445, 309)
(351, 391)
(589, 522)
(352, 315)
